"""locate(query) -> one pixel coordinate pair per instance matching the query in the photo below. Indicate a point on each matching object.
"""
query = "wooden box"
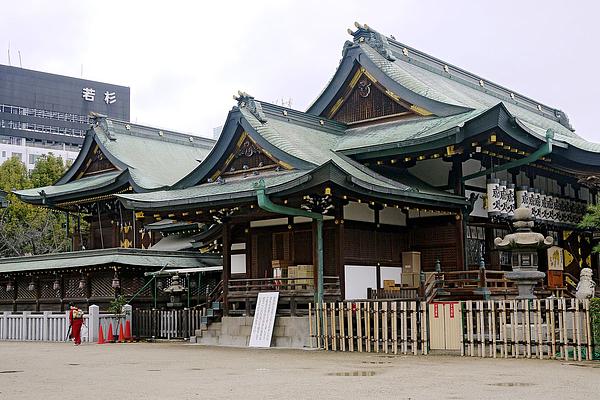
(555, 279)
(410, 279)
(411, 262)
(389, 284)
(304, 275)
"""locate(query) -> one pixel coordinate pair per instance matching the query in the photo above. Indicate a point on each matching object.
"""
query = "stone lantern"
(176, 290)
(524, 245)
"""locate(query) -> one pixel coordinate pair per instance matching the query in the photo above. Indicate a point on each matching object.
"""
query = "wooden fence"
(378, 326)
(555, 328)
(166, 324)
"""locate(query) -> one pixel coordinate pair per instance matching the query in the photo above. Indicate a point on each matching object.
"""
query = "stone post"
(127, 310)
(24, 320)
(4, 333)
(45, 326)
(67, 325)
(93, 323)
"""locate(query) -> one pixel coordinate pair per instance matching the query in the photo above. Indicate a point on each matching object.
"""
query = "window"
(3, 154)
(33, 158)
(18, 155)
(475, 244)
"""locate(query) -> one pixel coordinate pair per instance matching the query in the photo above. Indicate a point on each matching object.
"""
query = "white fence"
(54, 327)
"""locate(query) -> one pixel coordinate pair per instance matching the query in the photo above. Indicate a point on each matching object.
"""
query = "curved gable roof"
(441, 88)
(294, 138)
(143, 157)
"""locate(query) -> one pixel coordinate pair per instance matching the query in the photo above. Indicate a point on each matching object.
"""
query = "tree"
(48, 169)
(591, 220)
(27, 229)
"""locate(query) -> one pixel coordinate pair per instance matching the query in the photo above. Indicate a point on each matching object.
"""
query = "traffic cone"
(128, 331)
(121, 335)
(101, 336)
(110, 337)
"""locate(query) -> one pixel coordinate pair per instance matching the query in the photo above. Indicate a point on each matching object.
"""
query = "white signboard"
(264, 319)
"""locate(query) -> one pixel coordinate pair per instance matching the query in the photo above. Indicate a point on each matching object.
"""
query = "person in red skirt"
(76, 319)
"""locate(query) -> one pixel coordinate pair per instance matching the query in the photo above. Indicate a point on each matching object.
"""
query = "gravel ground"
(180, 371)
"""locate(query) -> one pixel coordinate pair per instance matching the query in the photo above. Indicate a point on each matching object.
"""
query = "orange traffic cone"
(101, 336)
(110, 337)
(128, 331)
(121, 335)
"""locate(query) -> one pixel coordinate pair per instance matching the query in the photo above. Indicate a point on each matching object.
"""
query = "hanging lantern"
(522, 198)
(510, 200)
(82, 283)
(503, 199)
(553, 211)
(115, 282)
(31, 286)
(159, 285)
(535, 204)
(9, 286)
(493, 197)
(56, 284)
(543, 207)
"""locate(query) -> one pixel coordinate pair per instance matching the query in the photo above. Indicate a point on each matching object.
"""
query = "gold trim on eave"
(356, 77)
(368, 75)
(336, 107)
(420, 110)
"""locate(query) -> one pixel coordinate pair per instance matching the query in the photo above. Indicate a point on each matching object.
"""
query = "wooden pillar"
(248, 239)
(461, 224)
(226, 265)
(461, 240)
(339, 252)
(457, 172)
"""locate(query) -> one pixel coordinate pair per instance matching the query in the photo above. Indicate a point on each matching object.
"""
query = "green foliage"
(13, 175)
(26, 229)
(595, 321)
(48, 169)
(591, 220)
(116, 306)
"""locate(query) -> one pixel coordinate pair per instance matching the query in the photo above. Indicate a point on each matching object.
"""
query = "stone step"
(210, 341)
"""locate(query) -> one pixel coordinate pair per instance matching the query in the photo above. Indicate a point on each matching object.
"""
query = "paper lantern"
(493, 197)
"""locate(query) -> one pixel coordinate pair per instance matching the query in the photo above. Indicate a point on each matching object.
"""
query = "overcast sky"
(185, 60)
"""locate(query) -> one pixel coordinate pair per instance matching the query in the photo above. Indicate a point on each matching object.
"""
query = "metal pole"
(155, 294)
(187, 280)
(199, 280)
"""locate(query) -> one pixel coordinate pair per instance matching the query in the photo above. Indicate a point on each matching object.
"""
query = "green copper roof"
(146, 159)
(400, 131)
(74, 187)
(427, 77)
(160, 157)
(115, 256)
(229, 191)
(308, 141)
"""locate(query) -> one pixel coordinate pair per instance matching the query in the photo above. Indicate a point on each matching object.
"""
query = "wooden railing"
(216, 294)
(471, 284)
(294, 293)
(304, 286)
